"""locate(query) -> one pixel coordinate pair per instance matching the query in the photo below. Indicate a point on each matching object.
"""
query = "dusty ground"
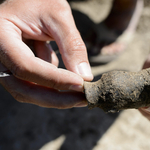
(28, 127)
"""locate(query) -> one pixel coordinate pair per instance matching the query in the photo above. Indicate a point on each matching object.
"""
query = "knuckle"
(55, 85)
(20, 71)
(18, 96)
(65, 9)
(66, 13)
(17, 71)
(62, 9)
(76, 45)
(58, 85)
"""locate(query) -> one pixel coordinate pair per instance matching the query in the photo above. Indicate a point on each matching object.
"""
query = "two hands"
(26, 25)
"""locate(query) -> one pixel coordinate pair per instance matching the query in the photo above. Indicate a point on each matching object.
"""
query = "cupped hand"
(25, 28)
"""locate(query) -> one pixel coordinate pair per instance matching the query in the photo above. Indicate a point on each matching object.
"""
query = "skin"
(146, 110)
(26, 25)
(123, 17)
(37, 80)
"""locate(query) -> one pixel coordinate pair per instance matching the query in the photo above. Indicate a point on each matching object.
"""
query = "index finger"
(19, 59)
(70, 43)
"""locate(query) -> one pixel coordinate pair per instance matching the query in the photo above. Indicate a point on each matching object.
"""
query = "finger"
(145, 112)
(147, 62)
(70, 43)
(44, 51)
(20, 60)
(27, 92)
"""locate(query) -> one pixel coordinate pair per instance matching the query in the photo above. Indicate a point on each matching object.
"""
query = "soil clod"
(118, 90)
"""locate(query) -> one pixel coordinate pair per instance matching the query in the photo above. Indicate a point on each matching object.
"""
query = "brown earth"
(29, 127)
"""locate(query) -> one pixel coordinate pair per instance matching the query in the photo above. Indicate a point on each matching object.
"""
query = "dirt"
(119, 90)
(29, 127)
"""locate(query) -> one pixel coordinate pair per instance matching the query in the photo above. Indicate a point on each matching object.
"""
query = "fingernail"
(84, 69)
(78, 88)
(82, 104)
(147, 109)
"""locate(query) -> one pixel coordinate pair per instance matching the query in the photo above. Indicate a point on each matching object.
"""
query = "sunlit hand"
(26, 25)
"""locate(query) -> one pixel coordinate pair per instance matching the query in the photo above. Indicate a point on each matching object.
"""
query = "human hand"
(37, 80)
(146, 110)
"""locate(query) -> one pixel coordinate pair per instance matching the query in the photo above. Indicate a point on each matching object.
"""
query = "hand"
(26, 25)
(146, 111)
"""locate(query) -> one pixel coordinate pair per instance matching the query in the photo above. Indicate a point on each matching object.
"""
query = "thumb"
(71, 46)
(74, 54)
